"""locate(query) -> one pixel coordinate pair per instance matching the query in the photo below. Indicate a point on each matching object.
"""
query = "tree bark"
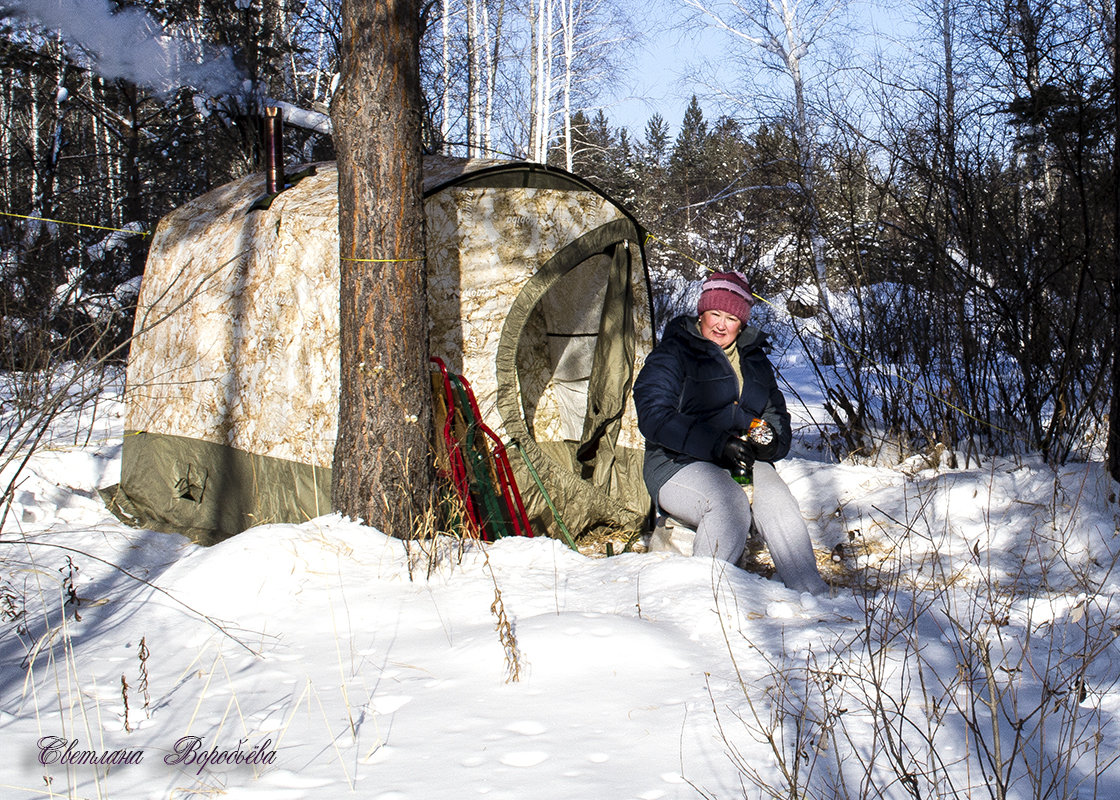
(474, 82)
(540, 120)
(382, 459)
(567, 27)
(1113, 442)
(492, 74)
(445, 90)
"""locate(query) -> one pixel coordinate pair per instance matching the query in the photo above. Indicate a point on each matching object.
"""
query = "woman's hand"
(762, 441)
(737, 451)
(764, 452)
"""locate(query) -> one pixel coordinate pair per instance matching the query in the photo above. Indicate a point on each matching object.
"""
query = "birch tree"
(540, 77)
(474, 78)
(464, 72)
(484, 41)
(785, 33)
(594, 36)
(504, 76)
(494, 43)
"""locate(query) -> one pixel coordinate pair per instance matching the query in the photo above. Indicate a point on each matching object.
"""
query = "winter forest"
(936, 197)
(924, 196)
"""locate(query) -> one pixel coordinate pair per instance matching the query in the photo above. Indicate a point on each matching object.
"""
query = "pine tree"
(382, 472)
(687, 162)
(655, 147)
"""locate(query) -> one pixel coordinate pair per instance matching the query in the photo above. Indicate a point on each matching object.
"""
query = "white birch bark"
(317, 83)
(541, 80)
(100, 141)
(493, 59)
(445, 94)
(33, 138)
(47, 153)
(534, 77)
(474, 79)
(538, 82)
(568, 26)
(6, 121)
(546, 105)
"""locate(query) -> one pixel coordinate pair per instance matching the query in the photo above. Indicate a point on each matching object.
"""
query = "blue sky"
(668, 61)
(664, 59)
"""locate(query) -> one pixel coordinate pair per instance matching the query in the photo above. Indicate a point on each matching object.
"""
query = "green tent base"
(209, 491)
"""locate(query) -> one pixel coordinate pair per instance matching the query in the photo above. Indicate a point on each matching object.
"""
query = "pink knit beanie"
(728, 292)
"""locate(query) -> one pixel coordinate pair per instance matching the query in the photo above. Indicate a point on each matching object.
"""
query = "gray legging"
(705, 497)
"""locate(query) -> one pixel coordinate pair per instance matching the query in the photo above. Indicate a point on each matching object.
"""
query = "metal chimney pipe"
(273, 150)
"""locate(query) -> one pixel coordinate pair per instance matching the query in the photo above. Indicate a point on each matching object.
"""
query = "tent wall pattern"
(538, 294)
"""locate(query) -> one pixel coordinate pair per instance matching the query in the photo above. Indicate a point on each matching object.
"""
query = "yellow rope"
(651, 237)
(381, 260)
(77, 224)
(853, 351)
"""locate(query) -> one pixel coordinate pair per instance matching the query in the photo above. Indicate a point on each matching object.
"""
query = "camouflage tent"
(538, 294)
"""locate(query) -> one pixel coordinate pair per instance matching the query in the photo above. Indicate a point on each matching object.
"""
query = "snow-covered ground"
(968, 650)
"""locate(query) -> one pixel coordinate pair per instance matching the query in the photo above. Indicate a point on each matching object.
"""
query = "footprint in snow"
(524, 758)
(527, 728)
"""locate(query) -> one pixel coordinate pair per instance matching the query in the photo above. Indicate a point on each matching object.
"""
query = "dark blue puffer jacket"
(687, 404)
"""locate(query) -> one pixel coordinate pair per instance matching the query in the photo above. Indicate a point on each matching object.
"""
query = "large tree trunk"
(382, 470)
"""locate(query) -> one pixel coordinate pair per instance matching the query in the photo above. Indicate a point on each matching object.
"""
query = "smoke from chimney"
(130, 43)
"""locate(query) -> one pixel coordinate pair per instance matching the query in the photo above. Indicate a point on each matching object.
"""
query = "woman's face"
(720, 327)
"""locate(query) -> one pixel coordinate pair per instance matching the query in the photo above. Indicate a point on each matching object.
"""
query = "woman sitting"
(708, 402)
